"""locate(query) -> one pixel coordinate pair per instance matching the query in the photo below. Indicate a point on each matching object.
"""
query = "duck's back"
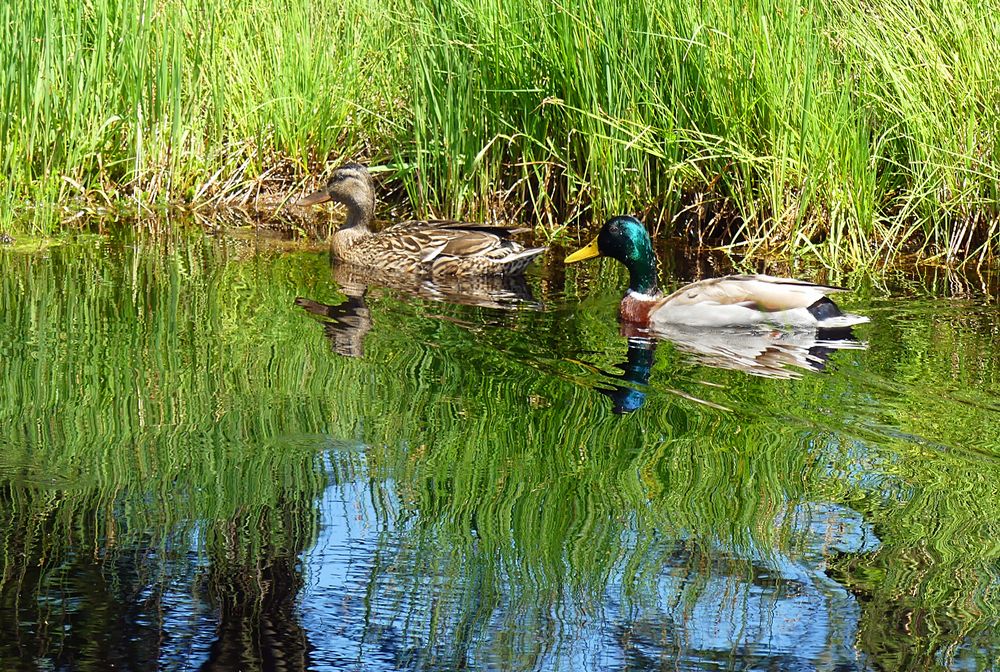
(443, 248)
(766, 291)
(753, 299)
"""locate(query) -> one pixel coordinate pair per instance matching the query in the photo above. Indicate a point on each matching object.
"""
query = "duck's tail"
(842, 321)
(516, 263)
(829, 316)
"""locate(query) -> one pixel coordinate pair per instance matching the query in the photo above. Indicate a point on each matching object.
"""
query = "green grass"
(851, 135)
(154, 103)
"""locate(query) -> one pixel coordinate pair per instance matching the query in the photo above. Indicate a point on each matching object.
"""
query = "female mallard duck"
(434, 248)
(734, 300)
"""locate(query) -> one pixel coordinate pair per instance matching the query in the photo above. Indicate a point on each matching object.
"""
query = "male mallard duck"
(734, 300)
(435, 248)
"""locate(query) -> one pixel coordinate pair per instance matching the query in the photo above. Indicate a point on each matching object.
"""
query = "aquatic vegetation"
(850, 135)
(165, 102)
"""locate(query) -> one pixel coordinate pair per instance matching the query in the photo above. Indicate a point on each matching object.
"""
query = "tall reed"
(173, 101)
(790, 124)
(850, 133)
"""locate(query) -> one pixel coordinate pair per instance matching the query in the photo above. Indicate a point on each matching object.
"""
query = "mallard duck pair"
(461, 249)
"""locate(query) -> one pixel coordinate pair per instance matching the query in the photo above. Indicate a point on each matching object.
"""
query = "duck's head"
(352, 185)
(625, 239)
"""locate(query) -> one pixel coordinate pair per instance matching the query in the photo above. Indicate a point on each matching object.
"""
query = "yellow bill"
(588, 252)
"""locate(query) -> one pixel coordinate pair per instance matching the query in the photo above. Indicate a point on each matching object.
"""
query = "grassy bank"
(852, 133)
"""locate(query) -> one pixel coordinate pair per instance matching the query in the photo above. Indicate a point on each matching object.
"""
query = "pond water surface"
(216, 455)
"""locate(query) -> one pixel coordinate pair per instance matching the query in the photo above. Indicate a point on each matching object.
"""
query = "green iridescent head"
(625, 239)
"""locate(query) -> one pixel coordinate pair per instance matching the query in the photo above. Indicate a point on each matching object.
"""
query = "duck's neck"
(642, 277)
(360, 214)
(642, 295)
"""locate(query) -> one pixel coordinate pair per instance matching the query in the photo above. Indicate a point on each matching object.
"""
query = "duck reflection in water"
(768, 354)
(772, 353)
(635, 374)
(347, 323)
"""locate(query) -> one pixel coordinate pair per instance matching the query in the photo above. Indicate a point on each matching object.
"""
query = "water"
(218, 454)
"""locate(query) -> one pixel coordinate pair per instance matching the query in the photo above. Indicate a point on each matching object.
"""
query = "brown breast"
(635, 310)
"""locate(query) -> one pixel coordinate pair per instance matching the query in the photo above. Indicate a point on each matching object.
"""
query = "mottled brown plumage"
(436, 248)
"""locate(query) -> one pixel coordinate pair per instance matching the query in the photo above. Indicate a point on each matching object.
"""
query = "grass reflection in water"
(193, 477)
